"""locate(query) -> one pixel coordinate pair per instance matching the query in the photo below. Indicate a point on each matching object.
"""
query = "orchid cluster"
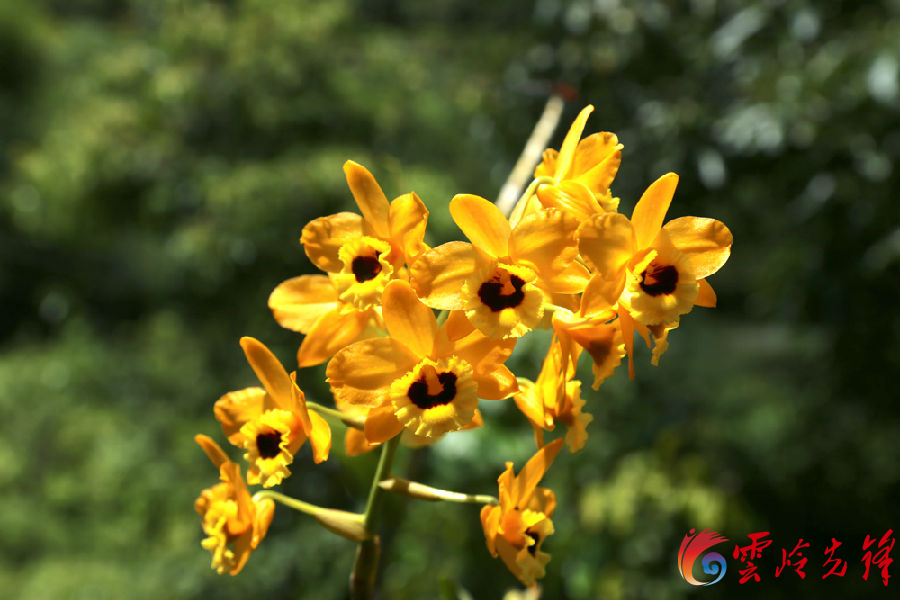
(416, 336)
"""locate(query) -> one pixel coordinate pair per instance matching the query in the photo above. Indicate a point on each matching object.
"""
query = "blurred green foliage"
(159, 158)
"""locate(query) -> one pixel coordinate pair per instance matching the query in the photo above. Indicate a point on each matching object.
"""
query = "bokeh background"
(158, 160)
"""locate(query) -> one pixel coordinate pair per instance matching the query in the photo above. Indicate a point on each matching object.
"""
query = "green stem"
(341, 522)
(532, 187)
(519, 209)
(362, 579)
(355, 422)
(420, 491)
(382, 471)
(555, 307)
(304, 507)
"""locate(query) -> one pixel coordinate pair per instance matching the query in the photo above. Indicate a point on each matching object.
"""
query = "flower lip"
(270, 441)
(435, 397)
(364, 273)
(366, 268)
(502, 290)
(659, 279)
(667, 297)
(422, 391)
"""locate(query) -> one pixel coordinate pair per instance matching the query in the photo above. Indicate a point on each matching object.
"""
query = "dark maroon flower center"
(418, 391)
(659, 279)
(268, 444)
(498, 295)
(365, 267)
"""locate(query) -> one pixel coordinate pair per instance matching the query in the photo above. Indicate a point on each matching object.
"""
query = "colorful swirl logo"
(692, 546)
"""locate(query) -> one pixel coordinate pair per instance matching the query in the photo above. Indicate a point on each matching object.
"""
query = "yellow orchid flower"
(651, 273)
(363, 253)
(310, 304)
(595, 332)
(271, 424)
(501, 280)
(423, 378)
(234, 523)
(516, 529)
(553, 397)
(582, 171)
(658, 269)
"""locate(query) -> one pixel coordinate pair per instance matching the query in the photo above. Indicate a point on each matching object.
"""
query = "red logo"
(695, 544)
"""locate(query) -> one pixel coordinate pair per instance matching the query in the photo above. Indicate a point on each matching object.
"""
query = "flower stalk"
(362, 579)
(349, 421)
(531, 153)
(519, 209)
(343, 523)
(420, 491)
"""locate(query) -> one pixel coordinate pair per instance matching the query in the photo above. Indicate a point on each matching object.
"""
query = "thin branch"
(534, 147)
(362, 579)
(420, 491)
(355, 422)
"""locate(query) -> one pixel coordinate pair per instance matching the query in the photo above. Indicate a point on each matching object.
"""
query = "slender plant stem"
(382, 471)
(362, 579)
(535, 145)
(355, 422)
(304, 507)
(420, 491)
(519, 209)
